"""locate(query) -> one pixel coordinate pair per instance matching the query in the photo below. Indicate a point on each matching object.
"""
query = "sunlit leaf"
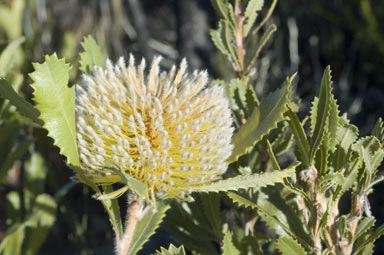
(172, 250)
(289, 246)
(251, 12)
(56, 104)
(7, 54)
(13, 240)
(147, 226)
(263, 119)
(324, 116)
(228, 247)
(248, 181)
(91, 56)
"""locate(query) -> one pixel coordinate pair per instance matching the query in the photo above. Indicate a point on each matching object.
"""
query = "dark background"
(348, 35)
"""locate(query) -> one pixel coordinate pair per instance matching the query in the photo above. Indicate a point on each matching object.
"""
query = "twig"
(239, 40)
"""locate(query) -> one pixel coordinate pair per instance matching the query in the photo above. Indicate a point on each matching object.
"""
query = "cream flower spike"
(164, 129)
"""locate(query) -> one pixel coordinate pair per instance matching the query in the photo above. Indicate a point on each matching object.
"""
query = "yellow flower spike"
(164, 129)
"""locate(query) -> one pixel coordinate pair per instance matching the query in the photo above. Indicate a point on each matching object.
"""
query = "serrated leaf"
(185, 231)
(227, 35)
(289, 246)
(378, 130)
(346, 136)
(248, 181)
(263, 119)
(258, 45)
(370, 239)
(324, 116)
(172, 250)
(7, 54)
(371, 151)
(237, 90)
(211, 206)
(268, 215)
(217, 40)
(250, 14)
(228, 247)
(302, 143)
(91, 56)
(281, 139)
(147, 226)
(22, 106)
(365, 225)
(113, 209)
(221, 7)
(56, 104)
(350, 178)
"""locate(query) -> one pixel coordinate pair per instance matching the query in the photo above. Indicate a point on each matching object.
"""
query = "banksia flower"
(164, 129)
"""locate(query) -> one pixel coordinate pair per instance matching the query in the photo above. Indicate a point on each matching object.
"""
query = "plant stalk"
(133, 217)
(239, 39)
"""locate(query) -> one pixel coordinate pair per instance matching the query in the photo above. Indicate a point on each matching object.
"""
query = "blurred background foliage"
(43, 209)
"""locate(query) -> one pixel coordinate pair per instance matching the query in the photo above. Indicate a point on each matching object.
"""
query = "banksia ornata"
(164, 129)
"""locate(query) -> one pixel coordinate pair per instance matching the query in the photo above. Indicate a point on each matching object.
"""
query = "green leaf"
(266, 17)
(211, 206)
(248, 181)
(35, 173)
(289, 246)
(370, 239)
(11, 19)
(272, 157)
(301, 138)
(324, 116)
(195, 234)
(91, 55)
(250, 14)
(217, 40)
(365, 225)
(346, 136)
(378, 130)
(135, 185)
(281, 139)
(6, 56)
(258, 45)
(113, 209)
(147, 226)
(263, 119)
(56, 103)
(39, 223)
(172, 250)
(13, 240)
(227, 35)
(16, 154)
(371, 151)
(22, 106)
(272, 216)
(228, 246)
(221, 7)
